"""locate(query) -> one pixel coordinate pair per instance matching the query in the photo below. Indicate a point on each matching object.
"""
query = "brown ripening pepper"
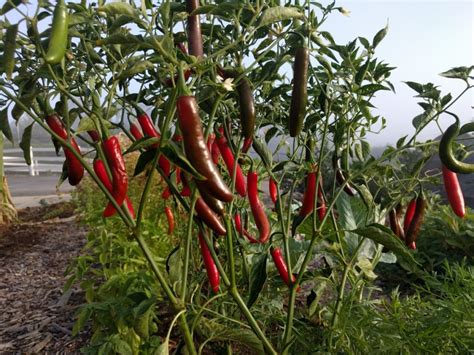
(209, 217)
(299, 94)
(196, 150)
(395, 225)
(194, 30)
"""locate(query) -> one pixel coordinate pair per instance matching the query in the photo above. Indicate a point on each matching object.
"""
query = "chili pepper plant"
(221, 100)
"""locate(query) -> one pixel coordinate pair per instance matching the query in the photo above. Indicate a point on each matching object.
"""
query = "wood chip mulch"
(36, 316)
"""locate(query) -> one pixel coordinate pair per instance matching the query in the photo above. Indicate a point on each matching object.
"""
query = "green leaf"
(8, 6)
(258, 276)
(82, 319)
(25, 143)
(142, 143)
(176, 156)
(415, 86)
(117, 9)
(458, 73)
(263, 152)
(9, 50)
(383, 235)
(423, 119)
(5, 125)
(143, 160)
(379, 36)
(279, 13)
(137, 68)
(370, 89)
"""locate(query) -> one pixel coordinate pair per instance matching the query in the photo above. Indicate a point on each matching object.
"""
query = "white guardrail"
(43, 160)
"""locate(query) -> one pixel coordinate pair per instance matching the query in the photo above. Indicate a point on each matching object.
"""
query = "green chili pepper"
(446, 153)
(59, 32)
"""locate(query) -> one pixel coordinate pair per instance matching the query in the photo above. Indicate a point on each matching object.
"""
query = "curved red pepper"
(170, 218)
(74, 167)
(454, 192)
(113, 153)
(209, 264)
(309, 193)
(215, 153)
(196, 149)
(410, 212)
(101, 172)
(281, 266)
(194, 30)
(258, 211)
(150, 131)
(272, 188)
(229, 161)
(209, 217)
(247, 144)
(242, 230)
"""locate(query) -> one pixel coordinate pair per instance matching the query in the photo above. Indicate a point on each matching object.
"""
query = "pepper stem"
(183, 90)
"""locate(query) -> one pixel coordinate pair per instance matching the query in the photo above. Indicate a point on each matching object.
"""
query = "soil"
(37, 315)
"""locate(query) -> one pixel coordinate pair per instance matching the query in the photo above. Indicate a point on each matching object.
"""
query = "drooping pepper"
(229, 161)
(281, 266)
(135, 131)
(272, 188)
(241, 230)
(410, 212)
(101, 172)
(299, 94)
(454, 192)
(74, 166)
(446, 153)
(170, 218)
(415, 225)
(395, 224)
(209, 217)
(258, 210)
(59, 33)
(209, 264)
(196, 150)
(194, 30)
(150, 131)
(113, 153)
(216, 205)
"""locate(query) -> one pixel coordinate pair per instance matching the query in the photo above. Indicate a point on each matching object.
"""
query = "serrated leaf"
(279, 13)
(25, 143)
(5, 125)
(383, 235)
(258, 276)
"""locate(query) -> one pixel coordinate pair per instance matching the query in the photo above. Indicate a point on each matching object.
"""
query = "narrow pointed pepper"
(299, 95)
(454, 192)
(170, 218)
(258, 210)
(209, 264)
(59, 34)
(281, 266)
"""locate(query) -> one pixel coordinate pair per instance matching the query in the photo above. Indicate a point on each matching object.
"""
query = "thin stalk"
(187, 248)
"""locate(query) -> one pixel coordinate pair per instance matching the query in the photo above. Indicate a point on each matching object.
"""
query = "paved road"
(30, 191)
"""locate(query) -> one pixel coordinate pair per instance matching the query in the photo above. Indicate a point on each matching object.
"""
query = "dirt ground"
(37, 316)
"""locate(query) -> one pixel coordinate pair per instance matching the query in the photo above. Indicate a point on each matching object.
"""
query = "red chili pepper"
(101, 172)
(242, 230)
(229, 161)
(409, 215)
(247, 144)
(215, 153)
(281, 266)
(258, 211)
(74, 167)
(209, 264)
(413, 230)
(209, 217)
(272, 187)
(196, 149)
(412, 246)
(135, 131)
(113, 153)
(166, 193)
(454, 192)
(309, 194)
(321, 207)
(170, 218)
(150, 131)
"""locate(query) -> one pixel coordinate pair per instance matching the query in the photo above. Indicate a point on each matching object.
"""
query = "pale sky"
(425, 38)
